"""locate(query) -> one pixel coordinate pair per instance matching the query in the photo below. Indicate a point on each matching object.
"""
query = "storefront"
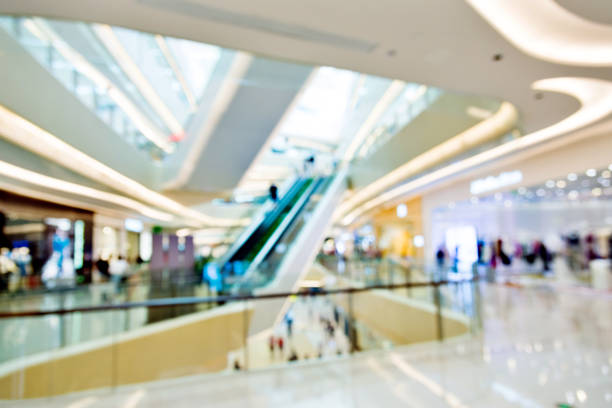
(559, 200)
(48, 241)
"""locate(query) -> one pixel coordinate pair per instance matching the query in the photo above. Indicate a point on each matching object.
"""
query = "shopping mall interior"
(315, 204)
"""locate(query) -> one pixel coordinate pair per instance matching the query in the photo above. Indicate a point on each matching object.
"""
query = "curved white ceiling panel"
(594, 95)
(545, 30)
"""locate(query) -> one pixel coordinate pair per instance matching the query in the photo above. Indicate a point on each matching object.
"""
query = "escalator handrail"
(261, 255)
(270, 220)
(265, 212)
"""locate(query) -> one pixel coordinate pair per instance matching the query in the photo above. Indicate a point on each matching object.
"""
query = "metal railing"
(63, 333)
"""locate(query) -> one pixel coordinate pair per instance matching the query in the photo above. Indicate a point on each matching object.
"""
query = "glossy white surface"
(541, 345)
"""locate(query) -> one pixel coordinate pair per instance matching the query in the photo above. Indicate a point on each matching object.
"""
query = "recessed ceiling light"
(591, 172)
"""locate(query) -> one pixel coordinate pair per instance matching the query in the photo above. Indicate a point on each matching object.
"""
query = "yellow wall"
(402, 320)
(395, 316)
(400, 231)
(187, 345)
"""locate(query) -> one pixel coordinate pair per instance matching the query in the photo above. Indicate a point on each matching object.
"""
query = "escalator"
(260, 240)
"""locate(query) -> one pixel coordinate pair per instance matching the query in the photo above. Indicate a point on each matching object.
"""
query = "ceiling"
(445, 44)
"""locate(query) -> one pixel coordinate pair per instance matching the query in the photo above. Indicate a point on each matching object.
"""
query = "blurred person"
(22, 258)
(8, 269)
(271, 344)
(4, 241)
(102, 266)
(281, 344)
(289, 322)
(542, 252)
(118, 269)
(273, 192)
(7, 266)
(574, 252)
(441, 257)
(499, 254)
(293, 356)
(591, 252)
(309, 164)
(59, 267)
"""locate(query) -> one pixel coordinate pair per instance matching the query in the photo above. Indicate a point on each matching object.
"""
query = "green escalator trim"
(277, 222)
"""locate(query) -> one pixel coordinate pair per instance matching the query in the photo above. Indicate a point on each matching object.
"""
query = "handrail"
(280, 230)
(257, 221)
(183, 301)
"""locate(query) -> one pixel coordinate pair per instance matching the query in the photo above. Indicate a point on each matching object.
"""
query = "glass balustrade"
(73, 348)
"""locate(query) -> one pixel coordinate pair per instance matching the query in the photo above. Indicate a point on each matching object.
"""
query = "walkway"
(540, 346)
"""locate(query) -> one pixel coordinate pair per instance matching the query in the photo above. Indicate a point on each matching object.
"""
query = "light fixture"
(572, 177)
(546, 30)
(595, 96)
(591, 172)
(30, 137)
(40, 180)
(402, 211)
(39, 27)
(500, 122)
(550, 183)
(418, 241)
(561, 184)
(478, 113)
(183, 232)
(163, 46)
(606, 174)
(107, 36)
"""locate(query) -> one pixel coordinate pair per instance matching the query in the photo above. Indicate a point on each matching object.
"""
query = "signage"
(133, 225)
(79, 243)
(492, 183)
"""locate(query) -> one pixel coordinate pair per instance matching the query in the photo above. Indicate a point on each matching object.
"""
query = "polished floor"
(542, 344)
